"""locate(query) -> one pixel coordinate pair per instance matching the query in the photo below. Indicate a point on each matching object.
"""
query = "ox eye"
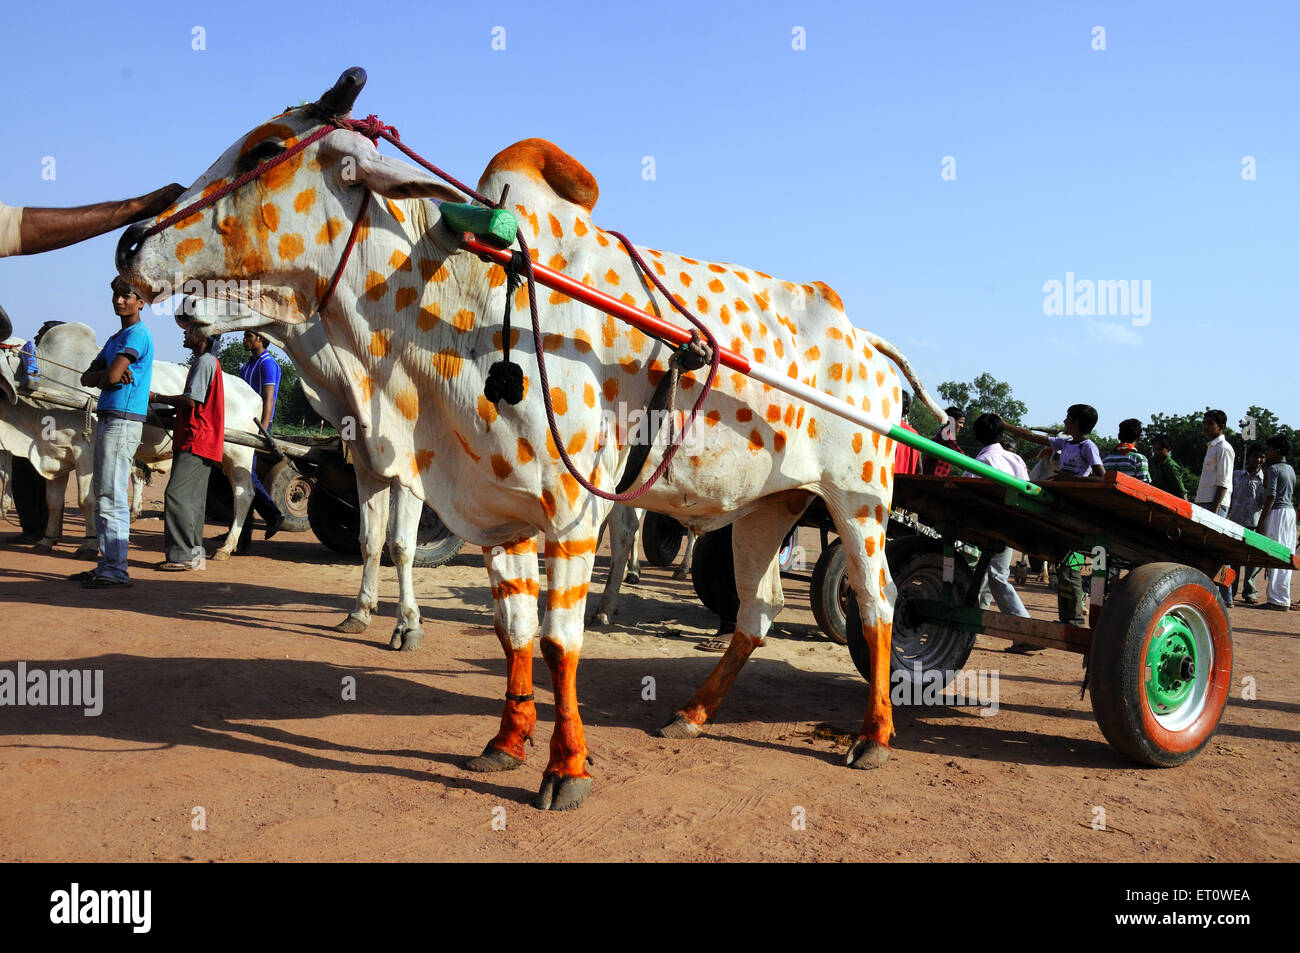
(266, 149)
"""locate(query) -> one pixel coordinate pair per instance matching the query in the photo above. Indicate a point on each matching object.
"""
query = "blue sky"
(822, 163)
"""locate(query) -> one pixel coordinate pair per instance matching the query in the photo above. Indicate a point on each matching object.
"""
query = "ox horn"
(6, 326)
(338, 99)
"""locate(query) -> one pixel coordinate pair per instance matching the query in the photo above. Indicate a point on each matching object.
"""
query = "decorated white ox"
(57, 441)
(415, 324)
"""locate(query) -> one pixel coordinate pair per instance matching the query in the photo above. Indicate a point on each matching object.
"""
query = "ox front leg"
(863, 539)
(372, 506)
(55, 491)
(238, 466)
(407, 635)
(684, 569)
(89, 548)
(569, 561)
(623, 522)
(756, 541)
(512, 571)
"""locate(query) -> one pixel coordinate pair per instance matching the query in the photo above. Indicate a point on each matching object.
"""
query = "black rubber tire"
(335, 520)
(661, 539)
(1118, 669)
(221, 498)
(435, 544)
(831, 592)
(916, 565)
(713, 574)
(291, 492)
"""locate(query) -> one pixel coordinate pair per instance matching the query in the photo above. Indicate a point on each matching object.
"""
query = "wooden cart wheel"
(661, 539)
(290, 491)
(1161, 664)
(831, 593)
(335, 519)
(220, 505)
(916, 565)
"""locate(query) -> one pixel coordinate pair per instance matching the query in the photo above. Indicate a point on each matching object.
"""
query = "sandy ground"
(223, 710)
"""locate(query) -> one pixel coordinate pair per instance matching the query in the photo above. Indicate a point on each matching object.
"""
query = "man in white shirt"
(1214, 492)
(988, 431)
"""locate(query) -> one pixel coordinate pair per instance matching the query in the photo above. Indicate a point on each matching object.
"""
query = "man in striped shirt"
(1125, 457)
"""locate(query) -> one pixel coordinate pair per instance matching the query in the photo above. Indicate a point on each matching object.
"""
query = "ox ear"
(361, 164)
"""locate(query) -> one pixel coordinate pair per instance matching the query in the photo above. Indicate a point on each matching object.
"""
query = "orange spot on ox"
(291, 246)
(408, 404)
(744, 415)
(572, 489)
(376, 286)
(611, 276)
(487, 410)
(463, 320)
(447, 363)
(868, 470)
(589, 395)
(433, 270)
(755, 440)
(429, 315)
(404, 298)
(611, 388)
(379, 343)
(396, 212)
(565, 598)
(715, 285)
(773, 414)
(464, 445)
(501, 467)
(330, 231)
(189, 246)
(778, 442)
(524, 452)
(270, 217)
(857, 443)
(304, 199)
(556, 229)
(582, 341)
(422, 459)
(400, 261)
(560, 401)
(579, 227)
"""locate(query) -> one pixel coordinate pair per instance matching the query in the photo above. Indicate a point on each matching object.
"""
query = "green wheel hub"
(1171, 665)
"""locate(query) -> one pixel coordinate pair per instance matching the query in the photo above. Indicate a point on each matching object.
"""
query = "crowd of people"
(1260, 496)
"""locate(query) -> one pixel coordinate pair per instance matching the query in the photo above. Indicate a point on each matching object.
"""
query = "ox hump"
(546, 163)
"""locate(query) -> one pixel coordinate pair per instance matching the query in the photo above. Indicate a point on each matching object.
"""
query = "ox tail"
(895, 355)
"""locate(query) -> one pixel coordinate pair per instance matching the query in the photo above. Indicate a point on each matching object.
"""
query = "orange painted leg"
(520, 713)
(871, 750)
(568, 745)
(708, 697)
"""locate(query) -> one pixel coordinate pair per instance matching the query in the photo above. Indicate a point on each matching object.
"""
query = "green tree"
(292, 409)
(984, 394)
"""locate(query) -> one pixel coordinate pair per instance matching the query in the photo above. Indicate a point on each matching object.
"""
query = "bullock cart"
(1157, 651)
(311, 481)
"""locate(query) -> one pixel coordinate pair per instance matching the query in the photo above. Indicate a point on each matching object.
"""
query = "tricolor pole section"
(657, 327)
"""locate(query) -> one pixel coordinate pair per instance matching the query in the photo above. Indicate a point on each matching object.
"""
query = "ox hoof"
(220, 555)
(561, 794)
(679, 573)
(866, 755)
(493, 759)
(601, 619)
(680, 727)
(632, 578)
(45, 544)
(407, 641)
(88, 550)
(352, 625)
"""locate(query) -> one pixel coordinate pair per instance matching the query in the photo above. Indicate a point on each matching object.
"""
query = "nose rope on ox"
(691, 355)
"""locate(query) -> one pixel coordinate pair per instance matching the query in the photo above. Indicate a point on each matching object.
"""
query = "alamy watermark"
(216, 289)
(77, 688)
(971, 688)
(1087, 298)
(130, 907)
(638, 427)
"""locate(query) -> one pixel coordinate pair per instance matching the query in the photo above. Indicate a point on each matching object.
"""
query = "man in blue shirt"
(262, 373)
(123, 371)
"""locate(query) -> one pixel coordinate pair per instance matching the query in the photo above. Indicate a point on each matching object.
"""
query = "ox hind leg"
(860, 523)
(55, 491)
(372, 507)
(238, 467)
(756, 542)
(512, 571)
(623, 522)
(569, 560)
(684, 569)
(406, 509)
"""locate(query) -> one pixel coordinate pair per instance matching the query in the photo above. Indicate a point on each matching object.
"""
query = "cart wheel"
(831, 593)
(661, 539)
(1161, 664)
(335, 521)
(290, 491)
(917, 569)
(435, 544)
(713, 574)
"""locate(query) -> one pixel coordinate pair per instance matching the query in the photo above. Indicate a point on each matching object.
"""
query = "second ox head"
(272, 245)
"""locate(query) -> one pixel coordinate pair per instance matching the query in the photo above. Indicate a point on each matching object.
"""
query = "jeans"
(1004, 594)
(116, 441)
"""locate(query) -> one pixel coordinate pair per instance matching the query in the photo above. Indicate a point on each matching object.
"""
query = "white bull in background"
(57, 441)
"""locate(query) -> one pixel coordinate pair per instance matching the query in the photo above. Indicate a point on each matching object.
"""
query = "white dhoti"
(1280, 526)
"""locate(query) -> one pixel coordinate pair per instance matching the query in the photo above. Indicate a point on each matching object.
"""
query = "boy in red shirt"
(197, 440)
